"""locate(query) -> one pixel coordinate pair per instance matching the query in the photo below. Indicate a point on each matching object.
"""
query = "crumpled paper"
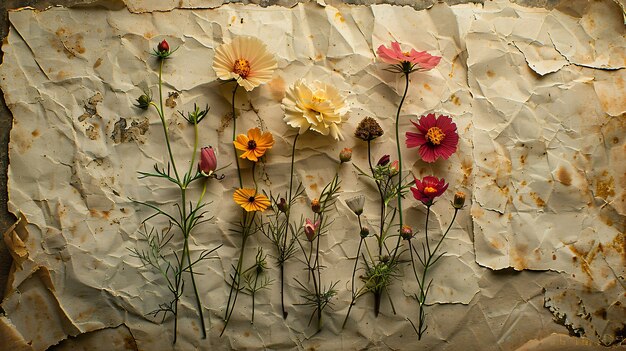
(537, 98)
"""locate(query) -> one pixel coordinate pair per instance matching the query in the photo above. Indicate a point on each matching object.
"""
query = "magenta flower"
(407, 61)
(427, 189)
(208, 161)
(310, 229)
(436, 137)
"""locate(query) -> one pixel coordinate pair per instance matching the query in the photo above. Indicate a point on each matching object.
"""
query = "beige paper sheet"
(537, 96)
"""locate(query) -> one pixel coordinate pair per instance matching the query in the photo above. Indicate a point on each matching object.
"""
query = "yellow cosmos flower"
(246, 60)
(250, 200)
(254, 144)
(317, 106)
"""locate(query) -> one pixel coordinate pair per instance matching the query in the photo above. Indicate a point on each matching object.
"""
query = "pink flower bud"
(394, 168)
(163, 46)
(208, 161)
(310, 229)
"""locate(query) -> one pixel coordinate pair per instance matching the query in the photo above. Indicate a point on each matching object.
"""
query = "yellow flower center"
(429, 190)
(251, 145)
(407, 54)
(242, 68)
(435, 135)
(319, 97)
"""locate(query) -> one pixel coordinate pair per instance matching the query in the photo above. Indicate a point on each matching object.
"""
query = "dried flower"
(317, 106)
(364, 232)
(436, 137)
(459, 200)
(383, 161)
(310, 229)
(427, 189)
(208, 161)
(356, 204)
(254, 144)
(316, 206)
(282, 205)
(246, 60)
(345, 155)
(406, 232)
(250, 200)
(368, 129)
(407, 61)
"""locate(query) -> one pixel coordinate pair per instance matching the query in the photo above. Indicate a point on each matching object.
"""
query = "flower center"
(251, 145)
(435, 135)
(429, 190)
(319, 97)
(242, 68)
(251, 199)
(406, 53)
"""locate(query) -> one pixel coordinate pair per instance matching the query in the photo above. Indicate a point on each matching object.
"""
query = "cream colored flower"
(316, 106)
(246, 60)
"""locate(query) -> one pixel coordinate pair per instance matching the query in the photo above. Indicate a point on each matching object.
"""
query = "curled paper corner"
(35, 311)
(112, 338)
(14, 239)
(588, 311)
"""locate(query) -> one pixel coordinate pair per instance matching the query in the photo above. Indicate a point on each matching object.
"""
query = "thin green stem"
(381, 237)
(287, 213)
(428, 262)
(235, 286)
(399, 189)
(193, 156)
(234, 136)
(426, 230)
(162, 116)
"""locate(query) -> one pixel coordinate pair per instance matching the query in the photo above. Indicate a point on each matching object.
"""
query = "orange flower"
(255, 144)
(250, 200)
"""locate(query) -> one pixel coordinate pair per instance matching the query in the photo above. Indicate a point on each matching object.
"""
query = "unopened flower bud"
(310, 229)
(345, 155)
(383, 161)
(364, 232)
(459, 200)
(208, 161)
(394, 168)
(163, 47)
(143, 102)
(282, 205)
(406, 232)
(316, 206)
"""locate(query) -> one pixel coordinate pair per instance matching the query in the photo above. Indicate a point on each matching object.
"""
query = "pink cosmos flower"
(427, 189)
(310, 229)
(436, 137)
(208, 161)
(407, 61)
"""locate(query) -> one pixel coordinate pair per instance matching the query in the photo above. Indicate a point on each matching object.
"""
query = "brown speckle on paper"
(563, 176)
(122, 134)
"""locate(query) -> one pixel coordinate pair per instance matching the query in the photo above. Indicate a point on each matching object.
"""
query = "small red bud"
(163, 47)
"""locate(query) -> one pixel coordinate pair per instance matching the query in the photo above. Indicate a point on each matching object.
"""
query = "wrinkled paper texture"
(538, 99)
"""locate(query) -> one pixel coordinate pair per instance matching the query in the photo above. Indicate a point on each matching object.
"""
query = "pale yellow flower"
(317, 106)
(246, 60)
